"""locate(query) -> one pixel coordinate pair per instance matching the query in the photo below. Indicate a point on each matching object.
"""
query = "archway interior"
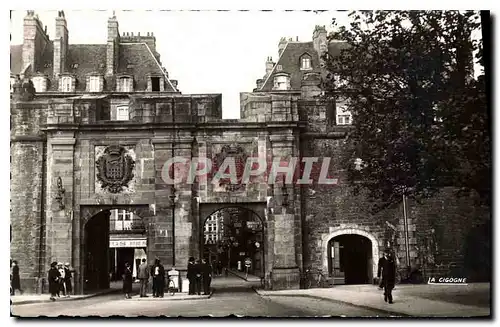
(350, 259)
(230, 237)
(112, 238)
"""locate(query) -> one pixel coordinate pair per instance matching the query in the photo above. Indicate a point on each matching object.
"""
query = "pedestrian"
(381, 263)
(160, 279)
(67, 279)
(207, 276)
(389, 277)
(15, 280)
(143, 275)
(191, 276)
(53, 277)
(219, 267)
(155, 272)
(127, 281)
(199, 271)
(62, 277)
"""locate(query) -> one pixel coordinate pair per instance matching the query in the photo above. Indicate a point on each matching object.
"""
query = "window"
(39, 84)
(94, 84)
(124, 84)
(155, 84)
(122, 113)
(281, 82)
(279, 68)
(66, 84)
(123, 220)
(305, 63)
(344, 117)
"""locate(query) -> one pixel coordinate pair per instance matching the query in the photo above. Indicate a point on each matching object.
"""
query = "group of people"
(157, 273)
(199, 274)
(387, 270)
(59, 277)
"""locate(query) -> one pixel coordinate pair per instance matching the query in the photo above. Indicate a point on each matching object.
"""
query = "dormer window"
(344, 116)
(281, 82)
(67, 84)
(156, 83)
(40, 83)
(125, 84)
(12, 82)
(94, 83)
(305, 63)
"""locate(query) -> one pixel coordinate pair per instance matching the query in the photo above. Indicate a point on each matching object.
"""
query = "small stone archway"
(349, 231)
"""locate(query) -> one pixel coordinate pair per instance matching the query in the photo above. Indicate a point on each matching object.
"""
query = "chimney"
(282, 45)
(319, 40)
(269, 65)
(112, 46)
(60, 44)
(34, 41)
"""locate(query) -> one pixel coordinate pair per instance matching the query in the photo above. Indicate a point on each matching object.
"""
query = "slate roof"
(134, 59)
(290, 62)
(137, 60)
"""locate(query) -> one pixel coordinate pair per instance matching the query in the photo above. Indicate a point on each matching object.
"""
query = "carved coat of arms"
(240, 157)
(115, 169)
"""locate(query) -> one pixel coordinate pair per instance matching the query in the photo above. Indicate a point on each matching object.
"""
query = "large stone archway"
(349, 231)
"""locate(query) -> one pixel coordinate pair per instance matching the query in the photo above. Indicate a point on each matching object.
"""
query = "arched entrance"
(112, 237)
(232, 235)
(350, 256)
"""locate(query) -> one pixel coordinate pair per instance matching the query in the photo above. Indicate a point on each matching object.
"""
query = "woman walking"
(53, 277)
(15, 281)
(389, 276)
(127, 281)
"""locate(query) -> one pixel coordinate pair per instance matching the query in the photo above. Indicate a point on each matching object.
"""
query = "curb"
(399, 314)
(84, 297)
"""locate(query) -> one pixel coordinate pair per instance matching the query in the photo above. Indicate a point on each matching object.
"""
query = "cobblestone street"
(232, 296)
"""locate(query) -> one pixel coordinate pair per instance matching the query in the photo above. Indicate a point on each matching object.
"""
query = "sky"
(206, 51)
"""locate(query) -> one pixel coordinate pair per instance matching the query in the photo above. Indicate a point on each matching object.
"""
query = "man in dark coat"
(191, 275)
(160, 280)
(15, 280)
(199, 271)
(53, 277)
(389, 277)
(206, 270)
(381, 263)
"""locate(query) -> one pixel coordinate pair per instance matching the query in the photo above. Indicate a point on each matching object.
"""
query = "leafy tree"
(419, 118)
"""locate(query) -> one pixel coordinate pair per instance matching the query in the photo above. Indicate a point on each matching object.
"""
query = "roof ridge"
(272, 70)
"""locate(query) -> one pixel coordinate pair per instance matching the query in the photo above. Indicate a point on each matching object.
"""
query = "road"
(232, 296)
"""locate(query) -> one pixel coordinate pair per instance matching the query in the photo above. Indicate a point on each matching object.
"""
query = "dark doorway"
(155, 84)
(96, 252)
(231, 236)
(112, 238)
(350, 259)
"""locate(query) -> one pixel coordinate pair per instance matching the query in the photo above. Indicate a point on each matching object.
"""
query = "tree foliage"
(420, 120)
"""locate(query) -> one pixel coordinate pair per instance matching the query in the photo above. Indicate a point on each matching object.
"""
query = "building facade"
(93, 136)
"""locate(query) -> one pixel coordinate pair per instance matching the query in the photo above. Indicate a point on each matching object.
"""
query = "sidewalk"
(242, 275)
(44, 298)
(176, 297)
(407, 301)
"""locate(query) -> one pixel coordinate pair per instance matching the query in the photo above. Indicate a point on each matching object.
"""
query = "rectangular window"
(281, 82)
(122, 113)
(66, 84)
(306, 64)
(94, 84)
(125, 84)
(155, 84)
(343, 119)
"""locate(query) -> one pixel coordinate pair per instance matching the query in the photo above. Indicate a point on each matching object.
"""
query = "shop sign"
(131, 243)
